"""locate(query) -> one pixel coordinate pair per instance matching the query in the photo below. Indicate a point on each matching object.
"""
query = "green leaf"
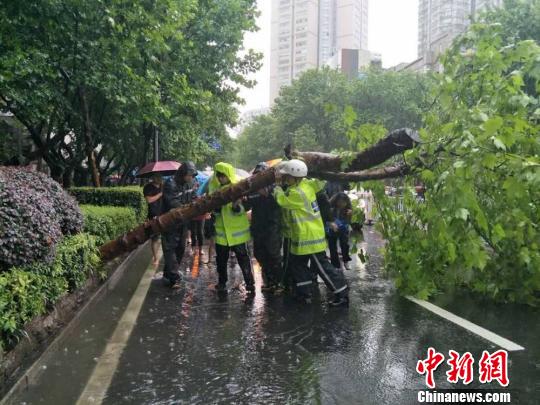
(462, 213)
(489, 160)
(428, 175)
(493, 125)
(499, 144)
(498, 233)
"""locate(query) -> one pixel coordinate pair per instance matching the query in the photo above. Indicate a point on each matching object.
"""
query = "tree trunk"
(125, 176)
(395, 142)
(89, 145)
(57, 173)
(67, 180)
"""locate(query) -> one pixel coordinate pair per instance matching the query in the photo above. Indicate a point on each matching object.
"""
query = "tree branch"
(397, 141)
(365, 175)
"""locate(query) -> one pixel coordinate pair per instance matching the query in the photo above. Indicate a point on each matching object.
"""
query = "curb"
(33, 371)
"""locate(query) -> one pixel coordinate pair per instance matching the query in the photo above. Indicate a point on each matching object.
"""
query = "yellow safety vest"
(232, 228)
(303, 216)
(285, 223)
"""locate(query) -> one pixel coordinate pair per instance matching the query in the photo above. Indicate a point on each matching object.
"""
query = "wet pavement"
(194, 346)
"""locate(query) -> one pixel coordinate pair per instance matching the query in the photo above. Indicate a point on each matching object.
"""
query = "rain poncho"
(232, 228)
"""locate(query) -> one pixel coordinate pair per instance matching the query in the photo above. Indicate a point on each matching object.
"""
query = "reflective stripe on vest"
(240, 233)
(307, 242)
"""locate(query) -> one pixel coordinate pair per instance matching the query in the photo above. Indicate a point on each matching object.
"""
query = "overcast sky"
(392, 33)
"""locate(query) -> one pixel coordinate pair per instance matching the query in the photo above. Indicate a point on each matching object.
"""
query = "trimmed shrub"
(77, 257)
(22, 297)
(131, 196)
(27, 291)
(34, 214)
(107, 223)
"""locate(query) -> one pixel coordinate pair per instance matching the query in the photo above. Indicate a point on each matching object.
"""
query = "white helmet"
(294, 167)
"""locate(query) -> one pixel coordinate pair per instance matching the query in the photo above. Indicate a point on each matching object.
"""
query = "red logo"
(490, 367)
(461, 368)
(429, 365)
(494, 367)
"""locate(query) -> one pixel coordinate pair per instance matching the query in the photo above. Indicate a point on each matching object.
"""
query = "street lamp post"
(156, 144)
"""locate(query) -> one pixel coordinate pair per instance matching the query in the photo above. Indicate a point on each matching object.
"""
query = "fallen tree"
(320, 164)
(396, 142)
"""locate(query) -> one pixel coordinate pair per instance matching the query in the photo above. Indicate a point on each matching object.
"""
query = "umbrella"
(164, 167)
(273, 162)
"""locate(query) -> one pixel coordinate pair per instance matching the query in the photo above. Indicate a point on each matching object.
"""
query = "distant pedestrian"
(342, 211)
(209, 236)
(153, 193)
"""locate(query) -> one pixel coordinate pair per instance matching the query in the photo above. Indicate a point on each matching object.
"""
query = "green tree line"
(90, 81)
(321, 108)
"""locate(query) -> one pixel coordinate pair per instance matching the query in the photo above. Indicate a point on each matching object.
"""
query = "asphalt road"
(194, 346)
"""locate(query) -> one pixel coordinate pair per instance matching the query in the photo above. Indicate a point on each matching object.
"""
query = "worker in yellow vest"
(232, 230)
(307, 234)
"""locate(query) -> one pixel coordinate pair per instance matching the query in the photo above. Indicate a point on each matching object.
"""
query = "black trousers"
(174, 245)
(244, 261)
(287, 278)
(302, 272)
(196, 228)
(343, 237)
(267, 251)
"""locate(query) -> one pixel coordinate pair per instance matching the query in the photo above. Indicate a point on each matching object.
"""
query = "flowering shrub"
(34, 214)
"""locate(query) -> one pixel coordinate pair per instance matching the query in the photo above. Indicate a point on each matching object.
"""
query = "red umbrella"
(165, 168)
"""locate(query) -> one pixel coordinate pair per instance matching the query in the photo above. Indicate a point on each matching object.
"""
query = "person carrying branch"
(307, 234)
(266, 232)
(232, 230)
(342, 210)
(178, 191)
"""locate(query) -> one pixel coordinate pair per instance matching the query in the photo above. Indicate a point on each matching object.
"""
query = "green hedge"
(28, 291)
(107, 223)
(131, 196)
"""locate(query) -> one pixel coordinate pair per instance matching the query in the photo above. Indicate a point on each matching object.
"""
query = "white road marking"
(100, 380)
(471, 327)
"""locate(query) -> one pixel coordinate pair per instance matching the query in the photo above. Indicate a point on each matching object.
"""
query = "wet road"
(194, 346)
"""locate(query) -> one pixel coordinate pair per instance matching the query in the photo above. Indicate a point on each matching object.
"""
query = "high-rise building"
(306, 33)
(480, 5)
(440, 21)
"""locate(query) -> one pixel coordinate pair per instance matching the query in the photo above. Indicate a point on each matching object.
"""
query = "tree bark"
(67, 178)
(395, 142)
(365, 175)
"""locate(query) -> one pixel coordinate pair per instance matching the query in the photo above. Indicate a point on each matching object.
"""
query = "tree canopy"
(480, 163)
(321, 108)
(92, 81)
